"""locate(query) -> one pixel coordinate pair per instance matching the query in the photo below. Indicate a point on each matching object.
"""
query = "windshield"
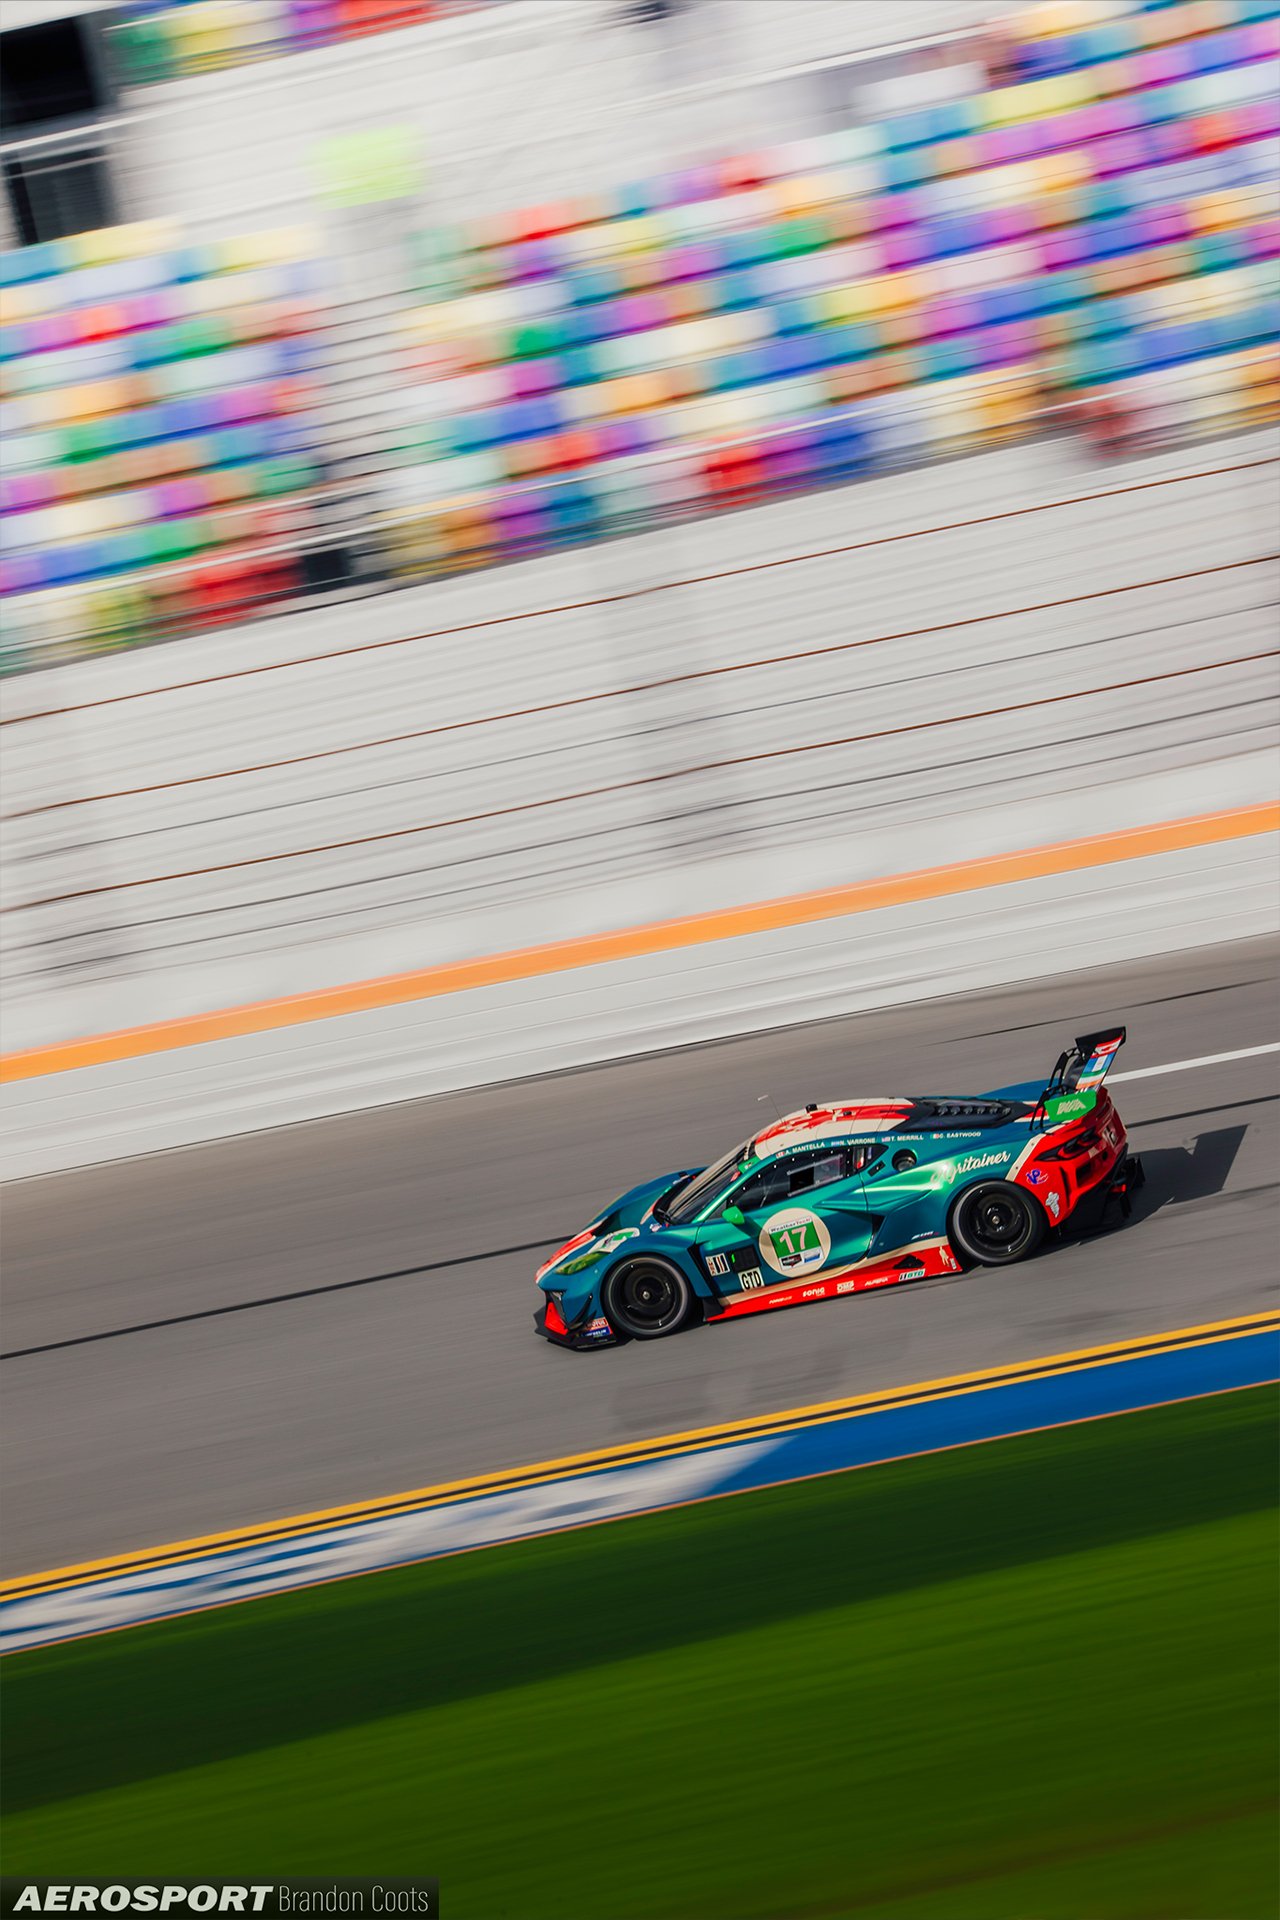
(708, 1186)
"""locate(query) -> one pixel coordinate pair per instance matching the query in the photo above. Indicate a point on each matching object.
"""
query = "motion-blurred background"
(617, 562)
(298, 307)
(600, 462)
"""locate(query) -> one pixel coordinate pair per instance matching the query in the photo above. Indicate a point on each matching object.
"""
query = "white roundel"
(794, 1241)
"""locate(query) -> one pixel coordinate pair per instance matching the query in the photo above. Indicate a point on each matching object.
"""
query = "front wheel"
(646, 1298)
(994, 1224)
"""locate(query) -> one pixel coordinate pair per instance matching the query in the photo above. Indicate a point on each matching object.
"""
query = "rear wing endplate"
(1082, 1070)
(1091, 1058)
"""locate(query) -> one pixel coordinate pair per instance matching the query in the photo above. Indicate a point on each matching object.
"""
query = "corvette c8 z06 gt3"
(844, 1196)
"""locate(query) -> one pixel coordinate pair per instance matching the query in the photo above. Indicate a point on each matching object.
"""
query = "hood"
(608, 1231)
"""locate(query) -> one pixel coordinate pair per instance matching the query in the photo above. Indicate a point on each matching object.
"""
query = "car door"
(799, 1219)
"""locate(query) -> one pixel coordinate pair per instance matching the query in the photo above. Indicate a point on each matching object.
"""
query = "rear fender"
(924, 1218)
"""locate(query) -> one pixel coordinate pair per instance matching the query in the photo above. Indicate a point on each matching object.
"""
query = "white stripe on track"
(1204, 1060)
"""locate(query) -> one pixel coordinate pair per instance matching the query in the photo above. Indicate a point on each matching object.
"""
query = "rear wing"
(1091, 1057)
(1078, 1073)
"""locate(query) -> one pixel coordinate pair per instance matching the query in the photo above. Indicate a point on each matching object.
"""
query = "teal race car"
(844, 1196)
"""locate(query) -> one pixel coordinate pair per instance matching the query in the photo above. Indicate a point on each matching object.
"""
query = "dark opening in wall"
(52, 194)
(49, 72)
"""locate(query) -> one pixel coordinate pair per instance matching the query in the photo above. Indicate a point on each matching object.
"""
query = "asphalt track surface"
(223, 1335)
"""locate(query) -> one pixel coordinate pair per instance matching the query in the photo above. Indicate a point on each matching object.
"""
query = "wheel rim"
(647, 1297)
(997, 1222)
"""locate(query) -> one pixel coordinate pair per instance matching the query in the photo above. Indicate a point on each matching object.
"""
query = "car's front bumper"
(592, 1331)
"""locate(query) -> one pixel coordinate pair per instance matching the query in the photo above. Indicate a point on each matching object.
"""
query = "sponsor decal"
(847, 1286)
(883, 1280)
(912, 1273)
(794, 1241)
(948, 1260)
(814, 1293)
(749, 1278)
(1036, 1176)
(1067, 1103)
(1053, 1203)
(597, 1327)
(975, 1162)
(610, 1244)
(578, 1240)
(717, 1264)
(1110, 1134)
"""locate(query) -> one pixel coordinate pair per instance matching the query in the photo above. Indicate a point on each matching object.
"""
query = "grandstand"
(1067, 219)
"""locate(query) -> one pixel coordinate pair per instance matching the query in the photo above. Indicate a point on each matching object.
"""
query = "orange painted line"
(660, 936)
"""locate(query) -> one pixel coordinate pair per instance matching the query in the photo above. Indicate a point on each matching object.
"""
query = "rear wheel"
(646, 1298)
(993, 1224)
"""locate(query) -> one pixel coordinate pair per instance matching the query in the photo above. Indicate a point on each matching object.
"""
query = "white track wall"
(578, 744)
(886, 957)
(232, 877)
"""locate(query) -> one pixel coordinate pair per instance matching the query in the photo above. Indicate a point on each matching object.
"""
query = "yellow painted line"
(762, 1426)
(660, 936)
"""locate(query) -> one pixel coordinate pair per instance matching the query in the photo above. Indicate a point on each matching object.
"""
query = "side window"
(763, 1189)
(784, 1179)
(804, 1176)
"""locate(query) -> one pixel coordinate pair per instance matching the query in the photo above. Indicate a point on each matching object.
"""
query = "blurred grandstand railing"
(778, 710)
(396, 547)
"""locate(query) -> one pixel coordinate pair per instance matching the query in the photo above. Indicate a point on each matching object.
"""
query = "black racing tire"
(646, 1298)
(994, 1223)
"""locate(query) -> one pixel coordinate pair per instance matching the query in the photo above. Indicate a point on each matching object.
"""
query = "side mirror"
(735, 1216)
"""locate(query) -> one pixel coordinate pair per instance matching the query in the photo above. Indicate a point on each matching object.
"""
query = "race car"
(843, 1196)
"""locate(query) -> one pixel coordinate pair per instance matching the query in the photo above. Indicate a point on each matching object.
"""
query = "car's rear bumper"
(1125, 1180)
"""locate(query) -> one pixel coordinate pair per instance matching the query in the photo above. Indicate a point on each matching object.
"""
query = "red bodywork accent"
(1069, 1179)
(555, 1319)
(578, 1240)
(801, 1123)
(925, 1265)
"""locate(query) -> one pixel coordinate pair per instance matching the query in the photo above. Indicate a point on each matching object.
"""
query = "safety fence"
(588, 741)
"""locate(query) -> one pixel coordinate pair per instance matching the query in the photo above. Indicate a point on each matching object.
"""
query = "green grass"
(1027, 1681)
